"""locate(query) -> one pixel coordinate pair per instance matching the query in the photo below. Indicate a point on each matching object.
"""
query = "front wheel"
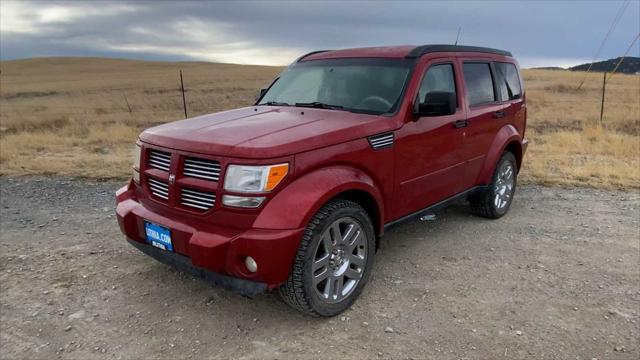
(334, 261)
(495, 200)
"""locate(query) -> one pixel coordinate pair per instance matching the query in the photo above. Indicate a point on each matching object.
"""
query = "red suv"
(295, 192)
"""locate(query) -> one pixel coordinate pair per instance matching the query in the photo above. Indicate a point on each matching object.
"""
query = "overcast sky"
(539, 33)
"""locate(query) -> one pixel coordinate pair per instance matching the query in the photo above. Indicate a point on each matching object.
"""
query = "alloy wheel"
(504, 185)
(339, 260)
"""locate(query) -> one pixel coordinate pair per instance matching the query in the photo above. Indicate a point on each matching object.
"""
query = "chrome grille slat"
(201, 200)
(195, 206)
(159, 160)
(193, 201)
(159, 191)
(161, 196)
(203, 172)
(158, 182)
(197, 197)
(198, 165)
(201, 168)
(200, 161)
(158, 188)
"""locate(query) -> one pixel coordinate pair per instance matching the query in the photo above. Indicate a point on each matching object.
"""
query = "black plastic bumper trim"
(237, 286)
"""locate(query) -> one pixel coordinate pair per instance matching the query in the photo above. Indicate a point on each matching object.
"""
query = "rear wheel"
(334, 260)
(495, 200)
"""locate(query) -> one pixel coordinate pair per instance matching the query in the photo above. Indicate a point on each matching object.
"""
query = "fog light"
(242, 201)
(250, 264)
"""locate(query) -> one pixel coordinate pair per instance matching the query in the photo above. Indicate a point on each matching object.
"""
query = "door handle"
(460, 124)
(499, 114)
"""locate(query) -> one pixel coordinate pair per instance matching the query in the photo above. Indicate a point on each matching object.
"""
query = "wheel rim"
(504, 185)
(339, 260)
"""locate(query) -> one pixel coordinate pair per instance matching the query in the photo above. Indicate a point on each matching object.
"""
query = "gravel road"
(557, 278)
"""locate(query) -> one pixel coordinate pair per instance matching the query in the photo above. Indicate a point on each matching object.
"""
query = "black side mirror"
(261, 93)
(438, 103)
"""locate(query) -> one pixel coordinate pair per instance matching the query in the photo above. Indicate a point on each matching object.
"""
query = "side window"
(438, 78)
(508, 81)
(477, 77)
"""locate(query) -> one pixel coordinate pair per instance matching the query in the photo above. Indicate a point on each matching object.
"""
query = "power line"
(615, 22)
(624, 55)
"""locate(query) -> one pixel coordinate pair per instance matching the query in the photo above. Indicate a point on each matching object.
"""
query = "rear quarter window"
(477, 77)
(508, 81)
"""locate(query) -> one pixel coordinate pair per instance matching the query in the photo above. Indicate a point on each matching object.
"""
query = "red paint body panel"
(328, 153)
(311, 192)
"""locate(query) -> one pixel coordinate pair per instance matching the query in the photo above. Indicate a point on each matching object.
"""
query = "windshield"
(361, 85)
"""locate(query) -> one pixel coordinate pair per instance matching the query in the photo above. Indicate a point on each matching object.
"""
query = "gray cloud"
(270, 32)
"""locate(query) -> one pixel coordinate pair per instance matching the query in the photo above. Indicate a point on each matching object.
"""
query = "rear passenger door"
(486, 115)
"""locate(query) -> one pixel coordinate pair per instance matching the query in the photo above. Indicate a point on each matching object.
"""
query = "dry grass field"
(80, 116)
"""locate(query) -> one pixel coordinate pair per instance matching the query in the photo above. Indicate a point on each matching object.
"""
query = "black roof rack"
(309, 54)
(426, 49)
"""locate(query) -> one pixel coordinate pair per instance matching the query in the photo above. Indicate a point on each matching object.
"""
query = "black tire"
(299, 290)
(483, 203)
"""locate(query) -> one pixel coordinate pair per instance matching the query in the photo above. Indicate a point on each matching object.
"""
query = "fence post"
(184, 100)
(604, 84)
(127, 101)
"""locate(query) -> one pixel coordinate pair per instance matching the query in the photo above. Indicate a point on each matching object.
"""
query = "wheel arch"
(507, 138)
(369, 204)
(315, 189)
(515, 148)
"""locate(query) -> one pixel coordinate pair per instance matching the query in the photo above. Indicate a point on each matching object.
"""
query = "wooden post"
(604, 84)
(184, 100)
(127, 101)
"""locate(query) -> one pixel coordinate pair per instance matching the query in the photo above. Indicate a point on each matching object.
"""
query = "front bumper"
(236, 285)
(214, 252)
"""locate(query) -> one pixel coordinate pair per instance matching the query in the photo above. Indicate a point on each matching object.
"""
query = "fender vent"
(381, 141)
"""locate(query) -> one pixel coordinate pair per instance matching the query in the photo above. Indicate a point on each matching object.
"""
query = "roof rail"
(309, 54)
(426, 49)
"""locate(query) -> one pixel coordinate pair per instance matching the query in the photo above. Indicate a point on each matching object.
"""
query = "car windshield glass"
(360, 85)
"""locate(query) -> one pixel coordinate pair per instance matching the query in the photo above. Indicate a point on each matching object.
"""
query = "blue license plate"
(158, 236)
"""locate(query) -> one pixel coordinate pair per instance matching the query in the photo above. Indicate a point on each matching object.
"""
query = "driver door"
(429, 161)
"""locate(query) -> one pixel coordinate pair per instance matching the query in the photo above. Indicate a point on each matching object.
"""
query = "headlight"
(136, 163)
(254, 179)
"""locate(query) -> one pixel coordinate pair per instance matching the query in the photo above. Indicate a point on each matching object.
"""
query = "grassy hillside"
(629, 65)
(80, 116)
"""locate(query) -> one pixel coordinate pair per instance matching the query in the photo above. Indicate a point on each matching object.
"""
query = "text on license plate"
(158, 236)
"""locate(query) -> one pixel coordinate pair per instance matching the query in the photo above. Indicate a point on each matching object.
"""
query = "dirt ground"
(557, 278)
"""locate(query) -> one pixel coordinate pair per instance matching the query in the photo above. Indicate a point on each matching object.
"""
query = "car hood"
(265, 131)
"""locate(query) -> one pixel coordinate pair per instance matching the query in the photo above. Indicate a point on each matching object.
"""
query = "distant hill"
(630, 65)
(549, 68)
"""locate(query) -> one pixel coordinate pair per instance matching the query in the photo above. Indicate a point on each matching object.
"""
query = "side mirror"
(261, 93)
(437, 103)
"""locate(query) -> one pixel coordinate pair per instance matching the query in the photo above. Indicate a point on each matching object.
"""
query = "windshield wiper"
(319, 105)
(275, 103)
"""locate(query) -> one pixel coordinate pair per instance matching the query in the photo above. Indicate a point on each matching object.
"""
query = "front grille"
(197, 199)
(159, 160)
(158, 188)
(202, 169)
